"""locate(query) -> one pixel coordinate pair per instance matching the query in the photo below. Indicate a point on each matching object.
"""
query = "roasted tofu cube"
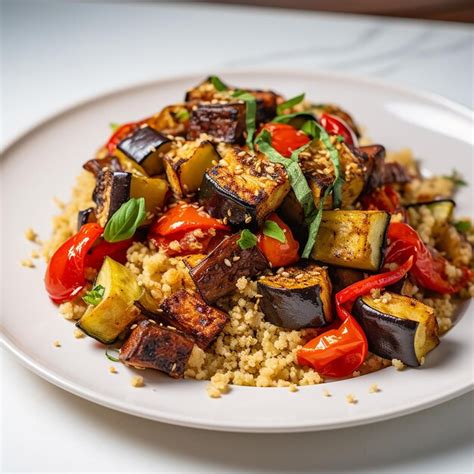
(186, 164)
(217, 274)
(319, 172)
(147, 147)
(225, 122)
(189, 313)
(244, 188)
(151, 346)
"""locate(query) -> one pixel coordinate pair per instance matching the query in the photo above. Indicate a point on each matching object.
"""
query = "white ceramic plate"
(43, 163)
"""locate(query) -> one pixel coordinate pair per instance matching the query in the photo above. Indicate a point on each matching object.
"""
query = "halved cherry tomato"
(285, 138)
(336, 126)
(338, 352)
(277, 253)
(185, 217)
(64, 277)
(122, 132)
(101, 249)
(384, 198)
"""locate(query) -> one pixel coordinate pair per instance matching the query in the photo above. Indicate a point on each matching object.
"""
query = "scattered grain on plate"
(56, 343)
(35, 254)
(293, 387)
(374, 388)
(398, 364)
(137, 381)
(326, 393)
(113, 370)
(31, 235)
(351, 399)
(27, 263)
(78, 334)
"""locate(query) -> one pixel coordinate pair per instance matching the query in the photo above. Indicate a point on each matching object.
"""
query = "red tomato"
(285, 138)
(384, 198)
(336, 126)
(277, 253)
(116, 250)
(64, 277)
(185, 217)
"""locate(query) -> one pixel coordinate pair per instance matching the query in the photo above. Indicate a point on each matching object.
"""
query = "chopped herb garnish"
(250, 114)
(290, 103)
(340, 138)
(110, 357)
(273, 230)
(218, 84)
(289, 117)
(114, 126)
(456, 178)
(247, 240)
(315, 222)
(94, 296)
(125, 221)
(463, 226)
(182, 115)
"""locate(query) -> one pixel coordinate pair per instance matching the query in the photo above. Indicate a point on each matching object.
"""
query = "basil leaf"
(290, 103)
(182, 115)
(94, 296)
(247, 240)
(125, 221)
(110, 357)
(114, 126)
(273, 230)
(340, 138)
(263, 141)
(456, 178)
(289, 117)
(250, 114)
(463, 226)
(218, 84)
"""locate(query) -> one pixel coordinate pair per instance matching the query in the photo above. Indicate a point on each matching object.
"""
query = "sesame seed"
(235, 258)
(248, 218)
(229, 212)
(133, 326)
(173, 367)
(227, 262)
(285, 274)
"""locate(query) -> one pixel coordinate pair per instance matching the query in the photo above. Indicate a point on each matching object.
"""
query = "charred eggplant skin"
(151, 346)
(96, 166)
(189, 313)
(215, 279)
(307, 305)
(85, 216)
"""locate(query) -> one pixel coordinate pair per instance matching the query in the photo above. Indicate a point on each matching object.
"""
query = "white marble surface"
(56, 53)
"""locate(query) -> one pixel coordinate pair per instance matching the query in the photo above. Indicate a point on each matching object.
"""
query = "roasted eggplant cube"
(217, 274)
(151, 346)
(224, 122)
(115, 311)
(376, 165)
(343, 277)
(397, 327)
(147, 147)
(205, 91)
(244, 189)
(297, 298)
(189, 313)
(85, 216)
(185, 166)
(111, 191)
(96, 166)
(266, 102)
(353, 239)
(319, 171)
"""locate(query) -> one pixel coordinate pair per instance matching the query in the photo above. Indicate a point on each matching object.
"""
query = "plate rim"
(93, 396)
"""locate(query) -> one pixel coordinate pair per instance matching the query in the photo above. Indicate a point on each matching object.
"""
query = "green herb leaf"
(463, 226)
(110, 357)
(182, 115)
(114, 126)
(125, 221)
(456, 178)
(218, 84)
(94, 296)
(273, 230)
(250, 114)
(290, 103)
(340, 138)
(289, 117)
(247, 240)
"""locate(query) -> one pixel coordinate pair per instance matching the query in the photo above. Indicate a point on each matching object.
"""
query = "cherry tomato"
(277, 253)
(285, 138)
(384, 198)
(64, 277)
(185, 217)
(336, 126)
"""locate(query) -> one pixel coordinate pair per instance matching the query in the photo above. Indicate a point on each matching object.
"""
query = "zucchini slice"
(225, 122)
(115, 188)
(185, 166)
(147, 147)
(297, 298)
(353, 239)
(441, 210)
(189, 313)
(244, 188)
(217, 274)
(151, 346)
(116, 311)
(401, 328)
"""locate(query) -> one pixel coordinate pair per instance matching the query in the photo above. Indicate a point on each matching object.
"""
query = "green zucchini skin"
(146, 146)
(388, 336)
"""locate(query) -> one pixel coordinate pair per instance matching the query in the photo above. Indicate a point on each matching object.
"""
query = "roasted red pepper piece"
(336, 126)
(285, 138)
(122, 132)
(384, 198)
(115, 250)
